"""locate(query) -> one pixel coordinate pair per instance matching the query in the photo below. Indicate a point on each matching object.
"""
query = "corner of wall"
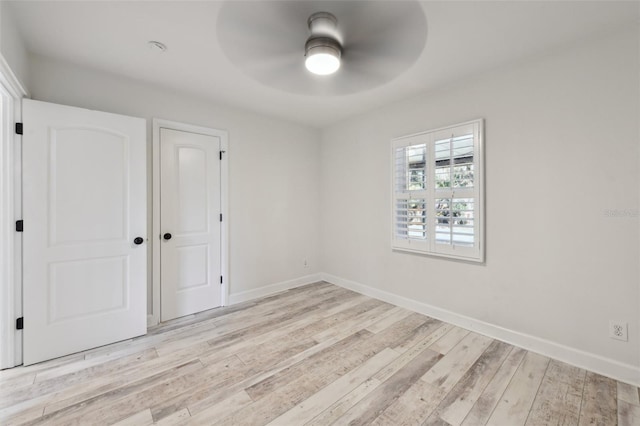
(270, 289)
(12, 46)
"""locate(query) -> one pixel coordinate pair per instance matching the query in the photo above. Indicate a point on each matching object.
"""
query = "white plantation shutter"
(410, 195)
(438, 192)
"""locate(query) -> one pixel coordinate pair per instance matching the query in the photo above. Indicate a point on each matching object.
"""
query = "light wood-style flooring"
(314, 355)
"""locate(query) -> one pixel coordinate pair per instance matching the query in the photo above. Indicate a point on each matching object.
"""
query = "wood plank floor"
(314, 355)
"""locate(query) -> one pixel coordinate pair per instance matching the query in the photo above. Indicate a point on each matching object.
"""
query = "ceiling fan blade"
(266, 40)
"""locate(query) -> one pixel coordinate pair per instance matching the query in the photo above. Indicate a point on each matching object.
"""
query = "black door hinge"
(222, 152)
(18, 128)
(220, 217)
(220, 279)
(19, 323)
(19, 225)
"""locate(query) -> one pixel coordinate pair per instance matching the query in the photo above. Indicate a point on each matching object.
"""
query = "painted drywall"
(11, 44)
(273, 168)
(562, 185)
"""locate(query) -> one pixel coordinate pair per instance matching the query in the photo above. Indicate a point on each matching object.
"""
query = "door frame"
(11, 94)
(158, 123)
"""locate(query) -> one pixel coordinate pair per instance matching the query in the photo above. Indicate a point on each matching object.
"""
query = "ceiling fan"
(323, 49)
(364, 44)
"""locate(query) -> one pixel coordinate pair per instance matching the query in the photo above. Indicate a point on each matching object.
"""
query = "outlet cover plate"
(618, 330)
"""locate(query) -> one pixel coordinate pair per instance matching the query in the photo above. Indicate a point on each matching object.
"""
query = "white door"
(190, 223)
(85, 255)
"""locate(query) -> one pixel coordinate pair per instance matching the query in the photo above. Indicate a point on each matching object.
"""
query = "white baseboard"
(607, 367)
(270, 289)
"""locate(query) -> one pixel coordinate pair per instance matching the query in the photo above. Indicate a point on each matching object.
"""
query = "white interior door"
(84, 198)
(190, 223)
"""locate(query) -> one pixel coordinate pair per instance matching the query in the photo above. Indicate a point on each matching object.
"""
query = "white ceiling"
(463, 38)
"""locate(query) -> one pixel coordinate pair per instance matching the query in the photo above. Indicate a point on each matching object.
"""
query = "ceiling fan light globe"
(322, 60)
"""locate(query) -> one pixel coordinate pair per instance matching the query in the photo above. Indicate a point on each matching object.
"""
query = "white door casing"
(84, 198)
(11, 94)
(190, 231)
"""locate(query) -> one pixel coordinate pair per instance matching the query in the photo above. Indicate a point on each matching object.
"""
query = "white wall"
(562, 141)
(273, 167)
(11, 44)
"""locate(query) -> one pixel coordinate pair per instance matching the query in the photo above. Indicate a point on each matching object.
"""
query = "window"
(438, 193)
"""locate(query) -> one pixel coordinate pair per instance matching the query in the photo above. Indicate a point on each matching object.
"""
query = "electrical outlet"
(618, 330)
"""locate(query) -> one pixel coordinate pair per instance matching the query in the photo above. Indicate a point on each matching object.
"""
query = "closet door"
(190, 223)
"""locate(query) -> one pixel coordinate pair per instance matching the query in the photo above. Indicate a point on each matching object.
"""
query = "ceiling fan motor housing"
(322, 45)
(324, 36)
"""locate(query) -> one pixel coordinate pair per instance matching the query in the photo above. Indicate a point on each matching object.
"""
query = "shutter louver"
(411, 219)
(410, 196)
(455, 221)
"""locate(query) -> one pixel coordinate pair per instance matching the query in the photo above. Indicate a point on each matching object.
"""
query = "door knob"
(138, 240)
(167, 236)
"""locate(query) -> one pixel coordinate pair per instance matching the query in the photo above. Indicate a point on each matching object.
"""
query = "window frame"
(429, 246)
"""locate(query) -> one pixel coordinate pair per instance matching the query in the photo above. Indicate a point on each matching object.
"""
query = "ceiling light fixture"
(322, 49)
